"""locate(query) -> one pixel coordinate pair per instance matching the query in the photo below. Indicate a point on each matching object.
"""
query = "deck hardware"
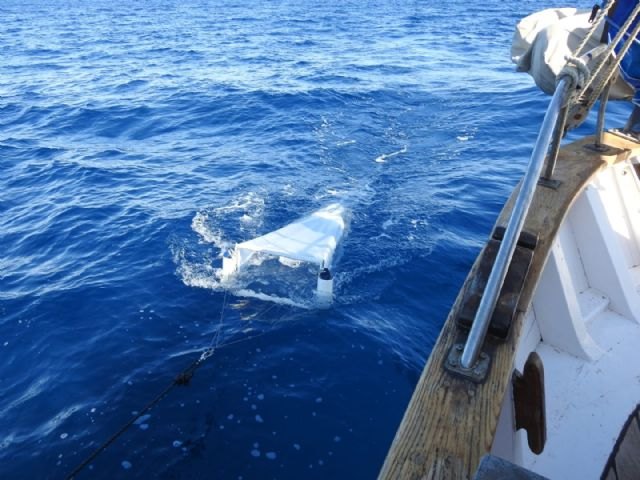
(476, 374)
(514, 227)
(604, 149)
(578, 111)
(526, 239)
(549, 183)
(529, 402)
(599, 145)
(626, 135)
(604, 98)
(558, 134)
(507, 303)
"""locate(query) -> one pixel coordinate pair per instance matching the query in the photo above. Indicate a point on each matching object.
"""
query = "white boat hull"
(584, 322)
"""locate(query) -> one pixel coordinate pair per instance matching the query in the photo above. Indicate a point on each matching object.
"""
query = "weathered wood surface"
(450, 422)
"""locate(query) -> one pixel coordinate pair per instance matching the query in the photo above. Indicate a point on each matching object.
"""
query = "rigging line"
(224, 305)
(215, 339)
(624, 30)
(613, 68)
(181, 379)
(249, 337)
(602, 12)
(246, 339)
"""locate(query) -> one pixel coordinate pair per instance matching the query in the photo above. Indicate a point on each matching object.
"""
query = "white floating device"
(311, 239)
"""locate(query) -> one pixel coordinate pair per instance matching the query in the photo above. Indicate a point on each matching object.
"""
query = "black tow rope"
(182, 379)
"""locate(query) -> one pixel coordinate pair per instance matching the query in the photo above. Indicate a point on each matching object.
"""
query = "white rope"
(602, 12)
(609, 52)
(576, 69)
(584, 89)
(215, 339)
(215, 342)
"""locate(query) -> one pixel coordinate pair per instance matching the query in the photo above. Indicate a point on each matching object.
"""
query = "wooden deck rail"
(450, 422)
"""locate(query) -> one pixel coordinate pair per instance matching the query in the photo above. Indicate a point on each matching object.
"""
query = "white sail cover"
(311, 239)
(543, 41)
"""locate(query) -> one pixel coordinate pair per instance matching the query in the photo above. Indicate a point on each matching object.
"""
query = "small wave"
(131, 85)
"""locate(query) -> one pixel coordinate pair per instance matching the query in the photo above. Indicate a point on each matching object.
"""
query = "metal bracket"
(507, 304)
(606, 150)
(476, 374)
(549, 183)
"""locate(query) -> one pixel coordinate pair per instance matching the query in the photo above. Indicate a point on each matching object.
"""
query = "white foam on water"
(196, 273)
(200, 265)
(199, 224)
(388, 223)
(247, 210)
(272, 298)
(383, 158)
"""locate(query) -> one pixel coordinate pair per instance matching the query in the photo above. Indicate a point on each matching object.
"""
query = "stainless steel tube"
(604, 98)
(514, 227)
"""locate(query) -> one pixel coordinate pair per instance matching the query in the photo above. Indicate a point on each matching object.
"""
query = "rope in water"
(182, 379)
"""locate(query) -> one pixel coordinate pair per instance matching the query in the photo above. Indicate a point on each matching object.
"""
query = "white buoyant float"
(312, 239)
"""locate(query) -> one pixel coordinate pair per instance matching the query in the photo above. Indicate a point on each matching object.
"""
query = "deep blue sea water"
(139, 139)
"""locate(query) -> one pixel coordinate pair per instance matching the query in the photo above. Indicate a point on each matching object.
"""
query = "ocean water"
(138, 140)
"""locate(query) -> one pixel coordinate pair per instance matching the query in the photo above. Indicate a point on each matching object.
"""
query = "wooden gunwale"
(450, 422)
